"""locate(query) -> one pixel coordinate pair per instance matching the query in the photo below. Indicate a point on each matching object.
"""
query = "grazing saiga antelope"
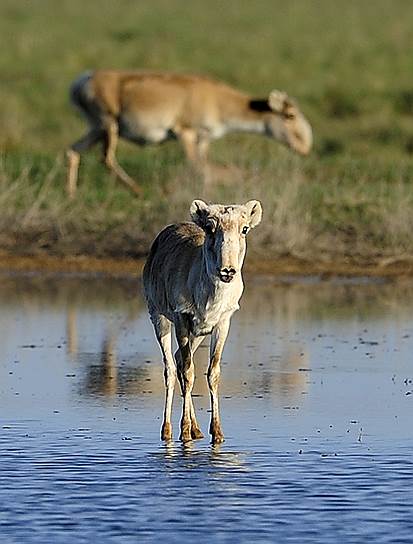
(150, 108)
(192, 279)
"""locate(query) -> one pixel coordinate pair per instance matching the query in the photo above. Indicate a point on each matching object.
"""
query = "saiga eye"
(245, 230)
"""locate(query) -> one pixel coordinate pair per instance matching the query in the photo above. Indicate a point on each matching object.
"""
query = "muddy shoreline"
(386, 268)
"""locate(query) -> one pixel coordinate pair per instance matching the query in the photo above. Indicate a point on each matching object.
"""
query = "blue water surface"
(316, 406)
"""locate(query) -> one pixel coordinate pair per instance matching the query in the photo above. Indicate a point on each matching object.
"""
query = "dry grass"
(302, 217)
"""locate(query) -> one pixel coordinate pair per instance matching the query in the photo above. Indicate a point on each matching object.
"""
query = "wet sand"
(325, 266)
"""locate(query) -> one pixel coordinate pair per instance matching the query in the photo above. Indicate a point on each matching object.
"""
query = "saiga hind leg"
(184, 358)
(73, 157)
(163, 328)
(196, 432)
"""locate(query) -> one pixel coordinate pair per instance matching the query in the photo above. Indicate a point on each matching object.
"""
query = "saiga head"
(226, 228)
(285, 122)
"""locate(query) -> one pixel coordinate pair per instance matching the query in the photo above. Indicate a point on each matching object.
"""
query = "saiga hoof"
(196, 433)
(166, 431)
(185, 433)
(217, 439)
(216, 433)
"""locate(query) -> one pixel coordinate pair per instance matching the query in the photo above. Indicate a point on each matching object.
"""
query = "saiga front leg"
(219, 335)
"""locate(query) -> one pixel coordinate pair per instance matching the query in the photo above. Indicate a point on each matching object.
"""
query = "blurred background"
(349, 65)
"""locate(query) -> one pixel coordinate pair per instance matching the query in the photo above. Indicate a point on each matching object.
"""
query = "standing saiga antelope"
(150, 108)
(192, 280)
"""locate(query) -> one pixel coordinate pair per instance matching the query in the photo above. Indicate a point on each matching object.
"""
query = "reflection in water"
(190, 455)
(289, 380)
(308, 369)
(108, 332)
(104, 377)
(57, 292)
(71, 332)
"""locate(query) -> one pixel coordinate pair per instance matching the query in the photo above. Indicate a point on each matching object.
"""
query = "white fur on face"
(225, 228)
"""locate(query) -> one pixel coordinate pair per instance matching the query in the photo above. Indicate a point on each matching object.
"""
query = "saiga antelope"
(150, 108)
(192, 280)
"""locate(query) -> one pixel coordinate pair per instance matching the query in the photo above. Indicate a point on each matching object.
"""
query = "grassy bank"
(348, 64)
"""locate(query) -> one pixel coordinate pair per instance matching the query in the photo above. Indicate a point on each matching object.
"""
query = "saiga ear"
(255, 211)
(199, 212)
(280, 102)
(277, 100)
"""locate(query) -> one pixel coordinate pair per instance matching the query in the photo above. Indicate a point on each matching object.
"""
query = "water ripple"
(314, 383)
(176, 493)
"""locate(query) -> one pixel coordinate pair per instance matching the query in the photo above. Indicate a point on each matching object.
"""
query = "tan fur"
(192, 280)
(149, 108)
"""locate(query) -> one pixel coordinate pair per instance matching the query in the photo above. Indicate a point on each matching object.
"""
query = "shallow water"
(316, 406)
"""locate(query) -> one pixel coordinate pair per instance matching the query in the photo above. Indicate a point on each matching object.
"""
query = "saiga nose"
(226, 274)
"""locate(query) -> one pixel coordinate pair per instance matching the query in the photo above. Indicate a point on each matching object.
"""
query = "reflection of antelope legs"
(109, 365)
(293, 380)
(71, 331)
(108, 360)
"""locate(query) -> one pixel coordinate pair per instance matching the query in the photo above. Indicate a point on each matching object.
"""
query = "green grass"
(349, 65)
